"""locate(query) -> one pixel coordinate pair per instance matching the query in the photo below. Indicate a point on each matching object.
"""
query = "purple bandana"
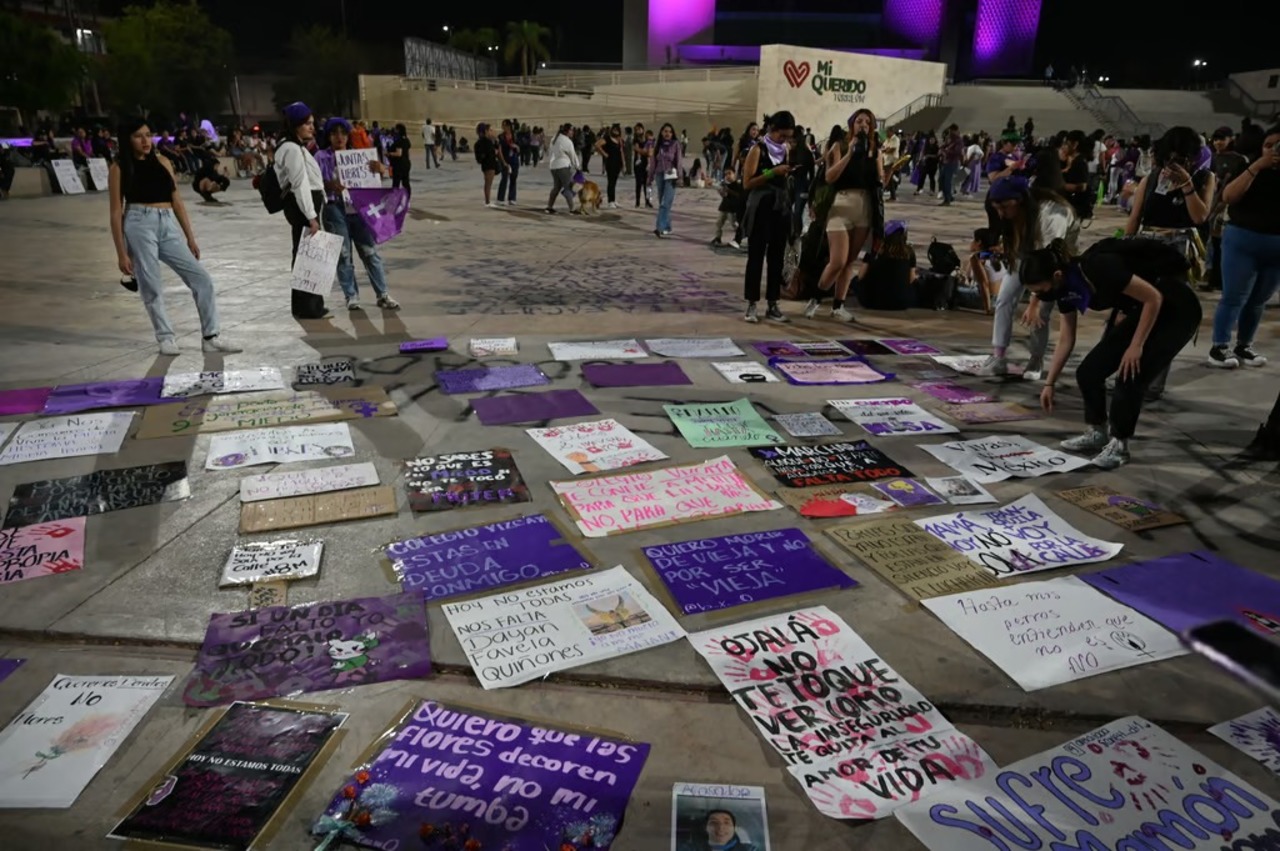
(777, 150)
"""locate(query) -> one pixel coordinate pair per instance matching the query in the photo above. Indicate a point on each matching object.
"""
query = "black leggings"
(1176, 324)
(401, 178)
(768, 239)
(612, 172)
(642, 177)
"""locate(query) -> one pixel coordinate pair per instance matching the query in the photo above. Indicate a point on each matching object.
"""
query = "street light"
(1199, 63)
(445, 28)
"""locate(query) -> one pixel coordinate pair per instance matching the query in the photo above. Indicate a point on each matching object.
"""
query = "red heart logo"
(795, 74)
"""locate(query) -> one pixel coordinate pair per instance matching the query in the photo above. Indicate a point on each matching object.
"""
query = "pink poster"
(41, 549)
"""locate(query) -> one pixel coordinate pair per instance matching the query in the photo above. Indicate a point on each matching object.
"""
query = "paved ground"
(462, 270)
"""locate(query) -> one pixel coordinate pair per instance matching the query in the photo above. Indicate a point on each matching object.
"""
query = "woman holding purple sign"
(341, 218)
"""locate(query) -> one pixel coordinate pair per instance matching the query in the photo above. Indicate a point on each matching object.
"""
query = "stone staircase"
(1112, 113)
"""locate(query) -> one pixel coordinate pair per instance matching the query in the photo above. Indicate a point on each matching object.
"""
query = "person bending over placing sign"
(1154, 314)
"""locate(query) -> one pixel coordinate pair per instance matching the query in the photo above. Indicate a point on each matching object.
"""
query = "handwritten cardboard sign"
(45, 549)
(324, 373)
(826, 501)
(744, 372)
(1055, 631)
(263, 410)
(486, 347)
(71, 436)
(271, 561)
(611, 505)
(828, 464)
(68, 177)
(274, 652)
(186, 384)
(835, 371)
(301, 482)
(694, 347)
(982, 413)
(808, 424)
(315, 268)
(1021, 537)
(910, 559)
(888, 416)
(810, 684)
(1256, 733)
(518, 636)
(307, 442)
(352, 167)
(598, 350)
(708, 425)
(431, 344)
(97, 493)
(1128, 784)
(952, 393)
(460, 479)
(316, 509)
(996, 458)
(595, 447)
(710, 574)
(1127, 512)
(263, 595)
(969, 364)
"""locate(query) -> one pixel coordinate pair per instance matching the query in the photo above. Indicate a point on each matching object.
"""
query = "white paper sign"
(960, 490)
(601, 350)
(745, 372)
(186, 384)
(518, 636)
(891, 416)
(68, 437)
(996, 458)
(271, 561)
(316, 267)
(1021, 537)
(352, 168)
(969, 364)
(694, 347)
(55, 746)
(811, 424)
(279, 445)
(856, 736)
(595, 447)
(1128, 786)
(718, 812)
(301, 482)
(326, 372)
(484, 347)
(1257, 734)
(868, 504)
(68, 177)
(1056, 631)
(98, 173)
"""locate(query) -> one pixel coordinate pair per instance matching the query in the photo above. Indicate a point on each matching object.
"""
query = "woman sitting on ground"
(886, 280)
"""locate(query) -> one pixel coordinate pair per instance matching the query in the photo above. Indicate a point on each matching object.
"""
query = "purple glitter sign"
(520, 787)
(717, 573)
(483, 558)
(434, 344)
(490, 378)
(282, 650)
(74, 398)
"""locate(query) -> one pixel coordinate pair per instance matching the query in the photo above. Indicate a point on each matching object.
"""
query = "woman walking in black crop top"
(154, 228)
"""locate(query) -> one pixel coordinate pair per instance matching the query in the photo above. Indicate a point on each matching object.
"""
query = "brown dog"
(589, 198)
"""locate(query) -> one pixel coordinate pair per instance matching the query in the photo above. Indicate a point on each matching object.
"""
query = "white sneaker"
(169, 347)
(753, 314)
(386, 302)
(842, 315)
(613, 205)
(511, 203)
(1093, 439)
(811, 309)
(217, 344)
(1033, 375)
(1114, 454)
(994, 365)
(353, 303)
(733, 243)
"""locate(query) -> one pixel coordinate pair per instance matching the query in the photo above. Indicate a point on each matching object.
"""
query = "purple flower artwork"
(487, 378)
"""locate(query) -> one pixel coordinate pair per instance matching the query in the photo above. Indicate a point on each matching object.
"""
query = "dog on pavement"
(589, 198)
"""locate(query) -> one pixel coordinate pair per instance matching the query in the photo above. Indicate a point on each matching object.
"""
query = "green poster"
(726, 424)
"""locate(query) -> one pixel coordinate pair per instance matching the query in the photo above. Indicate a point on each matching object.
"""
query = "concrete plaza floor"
(151, 577)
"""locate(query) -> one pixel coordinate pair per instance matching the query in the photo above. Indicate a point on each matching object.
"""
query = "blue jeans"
(948, 180)
(508, 179)
(153, 236)
(352, 229)
(1250, 276)
(666, 197)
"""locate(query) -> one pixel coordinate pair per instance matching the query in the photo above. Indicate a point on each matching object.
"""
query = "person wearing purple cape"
(340, 217)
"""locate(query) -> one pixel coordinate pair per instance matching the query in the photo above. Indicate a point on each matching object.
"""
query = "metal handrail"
(920, 103)
(650, 102)
(580, 79)
(1252, 104)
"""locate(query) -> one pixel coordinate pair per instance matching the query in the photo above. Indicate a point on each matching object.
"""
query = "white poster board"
(883, 417)
(960, 490)
(353, 171)
(484, 347)
(695, 347)
(186, 384)
(999, 457)
(598, 350)
(809, 424)
(279, 446)
(98, 173)
(68, 177)
(745, 372)
(272, 561)
(316, 267)
(69, 436)
(301, 482)
(595, 447)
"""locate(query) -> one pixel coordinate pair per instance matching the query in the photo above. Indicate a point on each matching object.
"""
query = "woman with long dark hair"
(768, 218)
(486, 154)
(664, 172)
(610, 147)
(509, 153)
(641, 155)
(401, 164)
(150, 226)
(303, 188)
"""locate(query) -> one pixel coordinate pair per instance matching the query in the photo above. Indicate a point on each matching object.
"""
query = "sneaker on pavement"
(386, 302)
(811, 309)
(169, 347)
(1248, 357)
(752, 314)
(353, 303)
(842, 314)
(773, 314)
(1220, 358)
(733, 243)
(994, 365)
(1032, 374)
(1092, 440)
(217, 344)
(1114, 454)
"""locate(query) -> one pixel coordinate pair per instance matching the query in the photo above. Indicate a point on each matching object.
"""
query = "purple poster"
(383, 210)
(951, 393)
(282, 650)
(532, 407)
(908, 493)
(74, 398)
(486, 378)
(778, 349)
(717, 573)
(483, 558)
(519, 787)
(664, 374)
(434, 344)
(910, 347)
(28, 400)
(1186, 590)
(8, 666)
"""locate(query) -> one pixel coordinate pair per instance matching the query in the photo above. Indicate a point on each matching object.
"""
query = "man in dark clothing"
(951, 155)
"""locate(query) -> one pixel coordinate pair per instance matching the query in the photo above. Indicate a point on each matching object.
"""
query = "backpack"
(942, 257)
(269, 189)
(1150, 259)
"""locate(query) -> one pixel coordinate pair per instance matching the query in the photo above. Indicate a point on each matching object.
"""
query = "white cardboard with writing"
(745, 372)
(301, 482)
(316, 267)
(69, 436)
(518, 636)
(809, 683)
(695, 347)
(55, 746)
(352, 166)
(595, 447)
(1000, 457)
(888, 416)
(1128, 785)
(186, 384)
(1256, 733)
(99, 174)
(598, 350)
(271, 561)
(68, 177)
(960, 490)
(1056, 631)
(279, 445)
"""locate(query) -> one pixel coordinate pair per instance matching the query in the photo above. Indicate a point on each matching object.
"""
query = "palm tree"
(524, 39)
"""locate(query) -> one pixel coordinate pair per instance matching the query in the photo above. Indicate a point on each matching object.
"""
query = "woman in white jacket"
(303, 188)
(564, 164)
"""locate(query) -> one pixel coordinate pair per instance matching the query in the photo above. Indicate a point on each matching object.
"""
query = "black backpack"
(269, 189)
(942, 257)
(1150, 259)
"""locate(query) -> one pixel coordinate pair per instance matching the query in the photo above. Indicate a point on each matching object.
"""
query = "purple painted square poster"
(952, 393)
(520, 787)
(490, 378)
(910, 347)
(431, 344)
(710, 574)
(908, 493)
(74, 398)
(512, 408)
(483, 558)
(284, 650)
(1186, 590)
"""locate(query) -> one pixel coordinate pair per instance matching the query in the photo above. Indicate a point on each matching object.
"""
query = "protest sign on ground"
(996, 458)
(912, 560)
(829, 464)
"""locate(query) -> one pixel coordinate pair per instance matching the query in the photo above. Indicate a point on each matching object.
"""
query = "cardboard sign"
(460, 479)
(960, 490)
(595, 447)
(1126, 785)
(276, 652)
(810, 424)
(187, 384)
(744, 372)
(316, 510)
(707, 812)
(315, 268)
(483, 558)
(694, 347)
(487, 378)
(883, 417)
(518, 776)
(67, 437)
(352, 168)
(97, 493)
(909, 347)
(279, 446)
(1256, 734)
(599, 350)
(271, 561)
(811, 685)
(262, 410)
(707, 425)
(68, 177)
(664, 374)
(982, 413)
(952, 393)
(264, 595)
(829, 464)
(300, 482)
(996, 458)
(1022, 537)
(710, 574)
(910, 559)
(518, 636)
(611, 505)
(324, 373)
(1057, 631)
(908, 493)
(198, 802)
(826, 501)
(819, 372)
(969, 364)
(55, 746)
(1127, 512)
(45, 549)
(486, 347)
(99, 173)
(778, 349)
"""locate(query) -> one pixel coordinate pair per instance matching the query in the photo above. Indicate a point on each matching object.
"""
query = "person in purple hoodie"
(664, 171)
